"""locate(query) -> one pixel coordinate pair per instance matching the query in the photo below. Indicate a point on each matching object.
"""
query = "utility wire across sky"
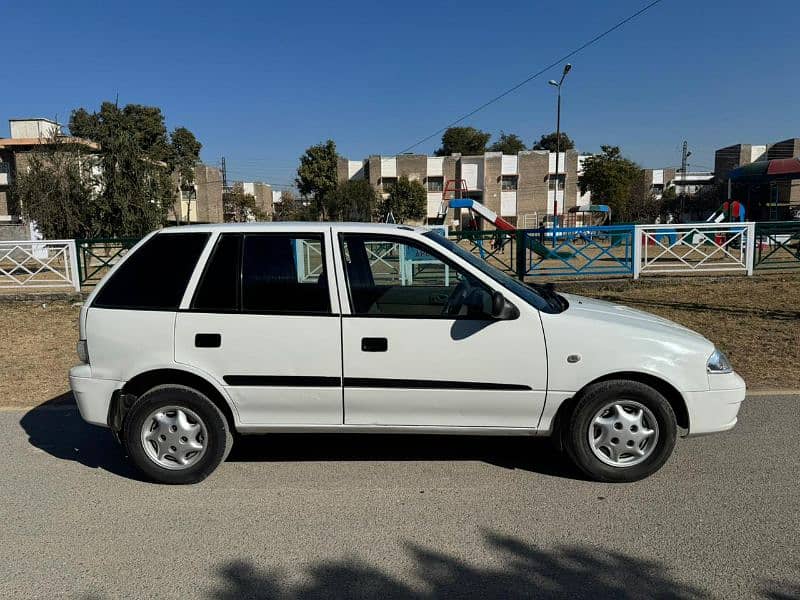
(515, 87)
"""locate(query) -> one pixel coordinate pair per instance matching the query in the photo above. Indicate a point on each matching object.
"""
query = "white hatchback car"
(201, 331)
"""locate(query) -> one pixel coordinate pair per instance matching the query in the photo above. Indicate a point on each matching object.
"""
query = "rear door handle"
(374, 344)
(207, 340)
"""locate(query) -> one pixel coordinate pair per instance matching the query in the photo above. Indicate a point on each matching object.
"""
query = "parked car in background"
(203, 331)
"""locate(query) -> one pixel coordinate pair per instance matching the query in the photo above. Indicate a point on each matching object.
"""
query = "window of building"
(154, 277)
(658, 188)
(551, 182)
(284, 274)
(509, 183)
(218, 290)
(435, 184)
(391, 277)
(387, 183)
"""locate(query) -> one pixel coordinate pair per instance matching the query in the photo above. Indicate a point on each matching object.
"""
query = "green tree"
(184, 154)
(549, 142)
(56, 190)
(463, 140)
(353, 200)
(316, 175)
(291, 208)
(613, 180)
(136, 190)
(137, 156)
(145, 124)
(508, 143)
(406, 200)
(239, 207)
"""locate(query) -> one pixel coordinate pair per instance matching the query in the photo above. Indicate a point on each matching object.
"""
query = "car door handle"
(374, 344)
(207, 340)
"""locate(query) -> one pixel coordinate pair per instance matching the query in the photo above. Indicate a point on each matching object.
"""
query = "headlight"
(718, 363)
(83, 351)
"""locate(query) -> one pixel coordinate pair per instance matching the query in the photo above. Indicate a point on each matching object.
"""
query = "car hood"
(624, 315)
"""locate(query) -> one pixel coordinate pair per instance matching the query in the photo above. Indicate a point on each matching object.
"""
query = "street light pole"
(557, 85)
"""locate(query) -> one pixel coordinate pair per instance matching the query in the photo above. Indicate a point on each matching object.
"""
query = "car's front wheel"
(620, 431)
(176, 435)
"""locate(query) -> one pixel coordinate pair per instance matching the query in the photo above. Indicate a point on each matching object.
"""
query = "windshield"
(538, 296)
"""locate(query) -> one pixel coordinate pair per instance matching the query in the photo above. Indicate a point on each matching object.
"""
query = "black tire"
(590, 402)
(218, 441)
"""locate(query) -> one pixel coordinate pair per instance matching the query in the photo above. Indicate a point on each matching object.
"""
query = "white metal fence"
(696, 247)
(39, 264)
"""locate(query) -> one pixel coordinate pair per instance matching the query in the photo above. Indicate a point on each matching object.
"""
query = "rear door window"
(284, 274)
(218, 290)
(154, 277)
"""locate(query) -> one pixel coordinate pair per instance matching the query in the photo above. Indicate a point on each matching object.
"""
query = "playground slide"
(499, 222)
(484, 212)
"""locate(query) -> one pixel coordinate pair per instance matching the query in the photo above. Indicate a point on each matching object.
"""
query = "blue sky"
(259, 82)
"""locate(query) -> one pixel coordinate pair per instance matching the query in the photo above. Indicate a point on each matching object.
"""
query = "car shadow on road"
(56, 427)
(536, 455)
(519, 570)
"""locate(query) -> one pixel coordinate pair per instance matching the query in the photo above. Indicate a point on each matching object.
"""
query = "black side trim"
(430, 384)
(281, 381)
(366, 382)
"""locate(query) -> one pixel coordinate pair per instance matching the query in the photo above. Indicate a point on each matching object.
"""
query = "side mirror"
(483, 303)
(502, 309)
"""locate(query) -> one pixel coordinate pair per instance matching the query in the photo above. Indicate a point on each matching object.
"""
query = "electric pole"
(224, 175)
(557, 85)
(685, 154)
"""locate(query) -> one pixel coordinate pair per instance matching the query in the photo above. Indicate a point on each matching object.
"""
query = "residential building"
(521, 187)
(660, 180)
(27, 135)
(200, 202)
(779, 192)
(265, 196)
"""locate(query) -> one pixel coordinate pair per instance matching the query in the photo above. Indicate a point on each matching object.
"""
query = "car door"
(407, 362)
(264, 322)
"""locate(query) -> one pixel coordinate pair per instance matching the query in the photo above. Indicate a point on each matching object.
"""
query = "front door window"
(391, 277)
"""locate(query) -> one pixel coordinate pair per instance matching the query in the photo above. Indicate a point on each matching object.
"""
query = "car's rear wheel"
(176, 435)
(620, 431)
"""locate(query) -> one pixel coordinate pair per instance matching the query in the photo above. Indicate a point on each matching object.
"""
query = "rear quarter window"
(154, 277)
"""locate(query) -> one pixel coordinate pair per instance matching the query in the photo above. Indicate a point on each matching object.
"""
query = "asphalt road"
(400, 516)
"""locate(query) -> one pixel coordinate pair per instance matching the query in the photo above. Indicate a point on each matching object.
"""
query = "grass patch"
(37, 352)
(754, 320)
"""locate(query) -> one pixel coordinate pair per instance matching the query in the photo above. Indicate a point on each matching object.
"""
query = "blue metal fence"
(603, 250)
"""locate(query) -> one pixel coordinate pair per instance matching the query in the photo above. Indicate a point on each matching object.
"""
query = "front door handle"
(374, 344)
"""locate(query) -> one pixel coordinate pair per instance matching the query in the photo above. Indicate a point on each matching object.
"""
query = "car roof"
(289, 226)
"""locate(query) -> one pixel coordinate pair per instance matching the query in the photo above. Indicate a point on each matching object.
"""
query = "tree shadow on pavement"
(781, 590)
(517, 570)
(56, 428)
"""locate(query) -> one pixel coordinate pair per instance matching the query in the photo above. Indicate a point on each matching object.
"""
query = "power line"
(535, 75)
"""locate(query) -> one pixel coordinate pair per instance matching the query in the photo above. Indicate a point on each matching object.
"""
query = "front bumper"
(717, 408)
(92, 395)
